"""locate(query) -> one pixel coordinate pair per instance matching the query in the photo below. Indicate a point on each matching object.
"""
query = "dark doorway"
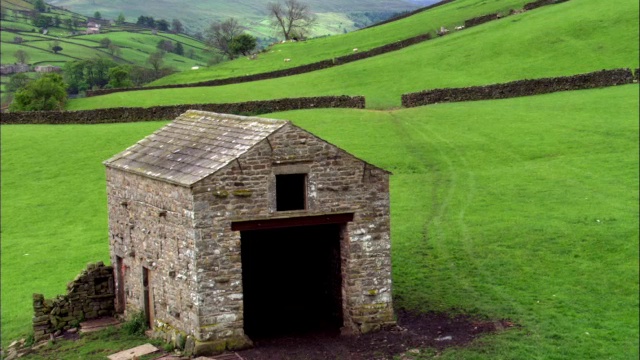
(148, 296)
(292, 280)
(120, 272)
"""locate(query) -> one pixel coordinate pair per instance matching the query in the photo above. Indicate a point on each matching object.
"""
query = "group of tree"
(168, 46)
(112, 48)
(45, 93)
(229, 38)
(162, 24)
(291, 18)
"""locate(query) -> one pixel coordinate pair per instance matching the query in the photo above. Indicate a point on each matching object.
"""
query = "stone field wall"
(120, 115)
(518, 88)
(89, 296)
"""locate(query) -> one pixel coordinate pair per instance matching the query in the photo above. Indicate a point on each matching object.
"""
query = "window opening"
(291, 192)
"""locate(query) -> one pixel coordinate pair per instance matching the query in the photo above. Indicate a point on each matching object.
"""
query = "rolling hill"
(539, 43)
(335, 16)
(134, 44)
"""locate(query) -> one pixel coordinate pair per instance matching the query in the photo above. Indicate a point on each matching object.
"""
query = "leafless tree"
(291, 17)
(220, 35)
(156, 61)
(176, 26)
(21, 56)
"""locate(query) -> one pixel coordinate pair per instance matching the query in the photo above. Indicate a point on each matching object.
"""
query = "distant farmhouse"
(47, 68)
(224, 228)
(93, 28)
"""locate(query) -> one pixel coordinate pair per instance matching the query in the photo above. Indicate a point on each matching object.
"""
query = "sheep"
(287, 60)
(443, 31)
(195, 68)
(355, 49)
(459, 27)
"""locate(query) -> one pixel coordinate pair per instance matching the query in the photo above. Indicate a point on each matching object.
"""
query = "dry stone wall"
(150, 226)
(89, 296)
(481, 20)
(121, 115)
(596, 79)
(539, 3)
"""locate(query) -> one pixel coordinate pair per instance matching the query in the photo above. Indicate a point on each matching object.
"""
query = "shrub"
(136, 325)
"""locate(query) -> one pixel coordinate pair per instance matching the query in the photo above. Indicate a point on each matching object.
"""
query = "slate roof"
(194, 146)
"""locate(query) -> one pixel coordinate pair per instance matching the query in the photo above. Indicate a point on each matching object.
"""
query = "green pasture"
(525, 209)
(36, 55)
(16, 4)
(18, 26)
(314, 50)
(559, 40)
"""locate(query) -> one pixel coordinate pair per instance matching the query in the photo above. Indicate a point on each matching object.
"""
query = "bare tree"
(292, 17)
(156, 61)
(21, 56)
(220, 35)
(176, 26)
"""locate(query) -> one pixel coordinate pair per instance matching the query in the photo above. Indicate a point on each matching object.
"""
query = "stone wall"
(151, 226)
(539, 3)
(481, 20)
(118, 115)
(89, 296)
(520, 88)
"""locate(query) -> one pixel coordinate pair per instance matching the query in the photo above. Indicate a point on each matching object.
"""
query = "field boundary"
(527, 87)
(139, 114)
(320, 65)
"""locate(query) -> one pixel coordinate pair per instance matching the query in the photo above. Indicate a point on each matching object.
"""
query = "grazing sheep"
(195, 68)
(443, 31)
(287, 60)
(355, 49)
(459, 27)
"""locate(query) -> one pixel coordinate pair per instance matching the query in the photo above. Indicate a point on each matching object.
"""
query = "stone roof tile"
(194, 146)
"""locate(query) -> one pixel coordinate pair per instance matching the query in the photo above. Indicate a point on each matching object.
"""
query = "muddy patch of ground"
(414, 331)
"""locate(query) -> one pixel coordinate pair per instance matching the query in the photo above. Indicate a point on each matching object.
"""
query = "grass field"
(329, 47)
(524, 209)
(563, 39)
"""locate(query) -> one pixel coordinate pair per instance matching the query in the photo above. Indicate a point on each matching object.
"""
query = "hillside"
(539, 43)
(132, 45)
(335, 16)
(313, 50)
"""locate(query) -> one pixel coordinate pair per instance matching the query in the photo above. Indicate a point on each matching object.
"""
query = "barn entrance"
(292, 279)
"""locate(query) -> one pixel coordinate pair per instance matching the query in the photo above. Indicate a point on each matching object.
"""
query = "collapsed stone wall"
(89, 296)
(121, 115)
(518, 88)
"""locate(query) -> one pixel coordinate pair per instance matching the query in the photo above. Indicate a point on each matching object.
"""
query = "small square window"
(291, 192)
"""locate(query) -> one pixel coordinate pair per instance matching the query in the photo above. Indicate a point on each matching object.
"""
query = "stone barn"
(226, 228)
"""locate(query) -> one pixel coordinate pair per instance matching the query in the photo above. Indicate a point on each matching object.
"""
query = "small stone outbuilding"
(227, 228)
